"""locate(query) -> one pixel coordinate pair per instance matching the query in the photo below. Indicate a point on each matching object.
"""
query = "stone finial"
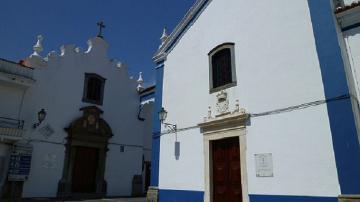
(121, 65)
(77, 49)
(140, 82)
(237, 106)
(51, 55)
(38, 48)
(97, 46)
(164, 37)
(35, 60)
(209, 113)
(67, 49)
(209, 116)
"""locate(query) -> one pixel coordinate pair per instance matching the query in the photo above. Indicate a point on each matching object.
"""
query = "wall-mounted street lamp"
(41, 117)
(162, 117)
(172, 128)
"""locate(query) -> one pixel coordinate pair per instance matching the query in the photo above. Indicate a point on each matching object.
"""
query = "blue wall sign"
(20, 163)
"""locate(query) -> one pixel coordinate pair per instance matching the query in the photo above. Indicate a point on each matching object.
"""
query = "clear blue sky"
(133, 27)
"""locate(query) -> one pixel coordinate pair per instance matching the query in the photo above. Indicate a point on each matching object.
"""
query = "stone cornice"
(161, 53)
(225, 122)
(349, 17)
(341, 7)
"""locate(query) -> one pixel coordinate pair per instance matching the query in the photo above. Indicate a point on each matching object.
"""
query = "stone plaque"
(264, 165)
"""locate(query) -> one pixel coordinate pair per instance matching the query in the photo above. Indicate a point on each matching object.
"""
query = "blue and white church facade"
(259, 104)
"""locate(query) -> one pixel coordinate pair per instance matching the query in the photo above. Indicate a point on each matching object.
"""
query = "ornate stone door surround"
(90, 130)
(229, 125)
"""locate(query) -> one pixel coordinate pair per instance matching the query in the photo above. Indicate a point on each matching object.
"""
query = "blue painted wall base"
(275, 198)
(166, 195)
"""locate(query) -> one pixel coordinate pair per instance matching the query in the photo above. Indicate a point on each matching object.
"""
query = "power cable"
(276, 111)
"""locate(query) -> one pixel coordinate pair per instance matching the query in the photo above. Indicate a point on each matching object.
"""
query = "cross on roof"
(101, 26)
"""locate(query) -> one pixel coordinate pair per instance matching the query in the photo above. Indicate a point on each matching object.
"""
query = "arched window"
(93, 88)
(222, 67)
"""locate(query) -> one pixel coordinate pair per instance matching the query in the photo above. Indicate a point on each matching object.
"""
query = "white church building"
(257, 103)
(73, 124)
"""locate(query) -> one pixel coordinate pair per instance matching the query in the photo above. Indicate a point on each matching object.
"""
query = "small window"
(93, 89)
(222, 67)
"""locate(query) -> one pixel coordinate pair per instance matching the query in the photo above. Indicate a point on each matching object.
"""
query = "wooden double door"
(84, 171)
(226, 170)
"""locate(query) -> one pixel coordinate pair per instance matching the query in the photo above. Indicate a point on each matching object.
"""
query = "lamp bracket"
(171, 127)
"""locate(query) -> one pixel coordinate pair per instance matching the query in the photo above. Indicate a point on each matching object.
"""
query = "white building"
(348, 17)
(92, 142)
(259, 95)
(15, 80)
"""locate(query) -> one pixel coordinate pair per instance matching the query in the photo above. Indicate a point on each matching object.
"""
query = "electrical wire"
(45, 141)
(128, 145)
(63, 143)
(252, 115)
(273, 112)
(300, 106)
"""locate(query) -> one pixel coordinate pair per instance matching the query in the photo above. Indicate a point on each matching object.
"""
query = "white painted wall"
(186, 172)
(59, 90)
(13, 88)
(10, 100)
(348, 2)
(301, 147)
(45, 172)
(4, 159)
(277, 67)
(120, 169)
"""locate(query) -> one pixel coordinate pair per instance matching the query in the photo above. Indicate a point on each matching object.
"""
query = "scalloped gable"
(98, 46)
(71, 56)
